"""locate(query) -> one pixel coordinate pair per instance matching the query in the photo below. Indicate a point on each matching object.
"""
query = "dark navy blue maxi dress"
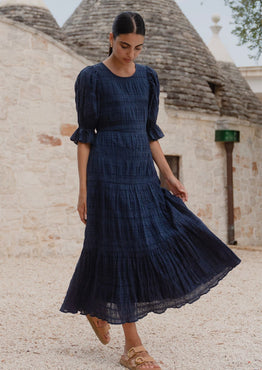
(144, 250)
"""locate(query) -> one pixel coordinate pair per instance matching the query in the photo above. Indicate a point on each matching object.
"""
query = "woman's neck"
(118, 68)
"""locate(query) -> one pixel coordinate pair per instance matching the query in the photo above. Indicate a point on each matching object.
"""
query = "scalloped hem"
(189, 298)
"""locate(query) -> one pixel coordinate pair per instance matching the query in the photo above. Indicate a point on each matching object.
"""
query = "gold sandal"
(133, 360)
(100, 331)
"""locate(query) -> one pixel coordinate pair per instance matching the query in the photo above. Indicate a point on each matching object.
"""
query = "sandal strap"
(141, 360)
(133, 350)
(135, 360)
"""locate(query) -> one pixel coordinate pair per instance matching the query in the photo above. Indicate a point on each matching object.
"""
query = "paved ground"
(222, 330)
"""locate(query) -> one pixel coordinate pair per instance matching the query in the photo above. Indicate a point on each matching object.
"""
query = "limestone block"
(73, 231)
(66, 63)
(10, 97)
(57, 213)
(21, 73)
(30, 222)
(20, 39)
(39, 215)
(21, 137)
(33, 198)
(237, 213)
(35, 167)
(71, 182)
(73, 219)
(50, 152)
(3, 111)
(27, 238)
(50, 235)
(206, 212)
(41, 58)
(67, 129)
(49, 140)
(70, 152)
(65, 117)
(252, 201)
(11, 217)
(31, 92)
(39, 43)
(202, 152)
(7, 180)
(42, 78)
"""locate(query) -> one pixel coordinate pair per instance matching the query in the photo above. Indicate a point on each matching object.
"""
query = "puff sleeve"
(86, 106)
(153, 130)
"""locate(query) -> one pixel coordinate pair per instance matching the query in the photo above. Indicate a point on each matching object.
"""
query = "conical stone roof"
(247, 105)
(239, 97)
(187, 70)
(33, 13)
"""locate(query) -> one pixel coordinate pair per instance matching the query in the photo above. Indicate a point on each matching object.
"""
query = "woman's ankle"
(132, 343)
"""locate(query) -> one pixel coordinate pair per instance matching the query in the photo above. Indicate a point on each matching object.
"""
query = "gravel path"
(222, 330)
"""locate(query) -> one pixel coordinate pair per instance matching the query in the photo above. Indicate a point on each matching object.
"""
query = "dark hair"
(128, 22)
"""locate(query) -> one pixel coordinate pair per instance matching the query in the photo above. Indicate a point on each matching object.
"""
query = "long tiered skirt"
(144, 250)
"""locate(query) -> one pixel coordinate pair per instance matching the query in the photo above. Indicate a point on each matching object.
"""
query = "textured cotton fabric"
(144, 250)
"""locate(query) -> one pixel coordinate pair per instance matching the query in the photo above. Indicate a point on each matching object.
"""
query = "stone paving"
(222, 330)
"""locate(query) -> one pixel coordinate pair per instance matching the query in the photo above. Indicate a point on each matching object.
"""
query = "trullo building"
(199, 95)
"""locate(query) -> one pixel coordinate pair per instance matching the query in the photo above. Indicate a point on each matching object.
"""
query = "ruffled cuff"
(155, 132)
(83, 135)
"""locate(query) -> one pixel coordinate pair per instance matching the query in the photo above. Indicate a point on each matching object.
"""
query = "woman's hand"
(178, 189)
(81, 207)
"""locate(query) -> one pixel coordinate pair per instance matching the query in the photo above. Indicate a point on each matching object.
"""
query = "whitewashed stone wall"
(203, 170)
(38, 173)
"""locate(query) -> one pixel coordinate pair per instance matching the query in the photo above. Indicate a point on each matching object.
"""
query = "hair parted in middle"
(128, 22)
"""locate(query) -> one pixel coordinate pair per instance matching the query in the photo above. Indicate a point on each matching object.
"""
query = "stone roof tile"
(34, 16)
(239, 97)
(172, 47)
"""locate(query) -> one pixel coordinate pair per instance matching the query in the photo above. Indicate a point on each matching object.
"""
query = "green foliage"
(247, 15)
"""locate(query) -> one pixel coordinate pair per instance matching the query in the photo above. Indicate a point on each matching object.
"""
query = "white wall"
(203, 170)
(253, 76)
(38, 180)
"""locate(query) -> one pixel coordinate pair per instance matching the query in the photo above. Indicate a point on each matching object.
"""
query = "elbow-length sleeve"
(154, 132)
(86, 106)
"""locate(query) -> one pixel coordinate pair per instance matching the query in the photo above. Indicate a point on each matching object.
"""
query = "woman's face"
(127, 47)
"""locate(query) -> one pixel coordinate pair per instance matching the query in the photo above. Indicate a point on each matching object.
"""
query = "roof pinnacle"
(216, 46)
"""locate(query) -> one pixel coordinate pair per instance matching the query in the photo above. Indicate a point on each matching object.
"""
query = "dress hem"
(189, 298)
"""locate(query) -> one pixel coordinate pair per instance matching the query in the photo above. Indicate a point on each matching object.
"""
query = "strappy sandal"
(134, 361)
(100, 331)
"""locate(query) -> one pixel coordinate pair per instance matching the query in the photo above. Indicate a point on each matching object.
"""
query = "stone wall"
(203, 170)
(38, 173)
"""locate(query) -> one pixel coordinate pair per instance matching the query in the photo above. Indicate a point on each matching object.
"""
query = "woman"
(144, 251)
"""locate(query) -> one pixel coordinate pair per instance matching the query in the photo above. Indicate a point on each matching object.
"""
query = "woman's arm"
(83, 150)
(173, 183)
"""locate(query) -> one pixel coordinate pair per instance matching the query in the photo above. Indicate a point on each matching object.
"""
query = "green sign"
(227, 136)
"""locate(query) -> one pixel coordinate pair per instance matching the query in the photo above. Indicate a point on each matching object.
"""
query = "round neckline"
(120, 76)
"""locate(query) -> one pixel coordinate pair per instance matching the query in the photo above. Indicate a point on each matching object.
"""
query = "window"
(173, 161)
